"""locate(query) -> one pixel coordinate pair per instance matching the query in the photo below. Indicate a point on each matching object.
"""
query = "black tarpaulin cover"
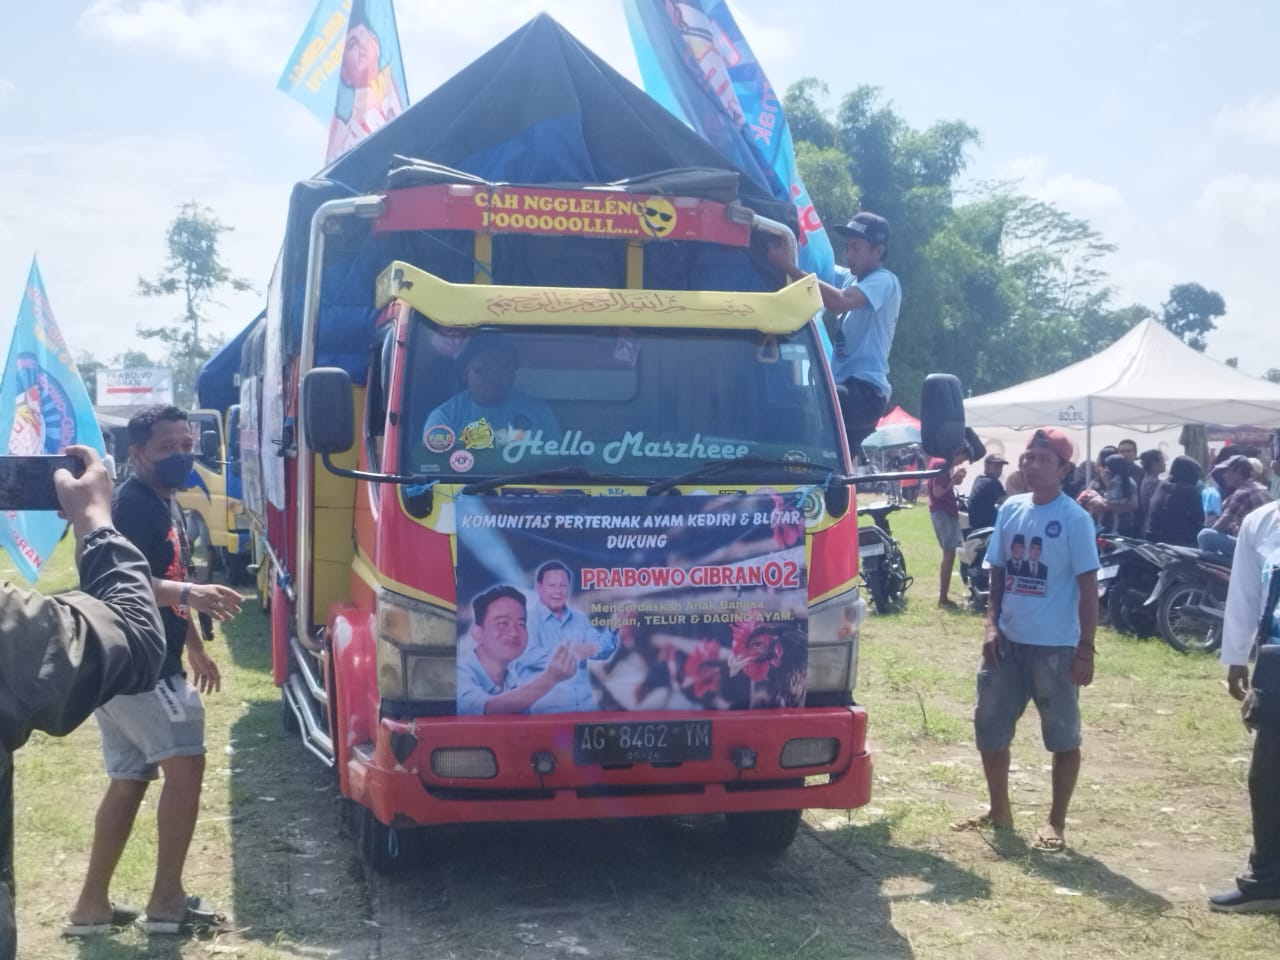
(539, 108)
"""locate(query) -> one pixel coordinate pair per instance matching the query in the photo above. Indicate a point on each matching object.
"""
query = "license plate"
(871, 550)
(1108, 573)
(671, 741)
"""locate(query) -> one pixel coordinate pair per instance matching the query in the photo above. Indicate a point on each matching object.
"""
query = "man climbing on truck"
(861, 315)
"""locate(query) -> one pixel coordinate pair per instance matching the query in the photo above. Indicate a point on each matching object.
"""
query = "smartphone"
(26, 483)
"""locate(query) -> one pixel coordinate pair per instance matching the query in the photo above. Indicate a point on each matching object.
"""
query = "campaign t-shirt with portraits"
(1042, 549)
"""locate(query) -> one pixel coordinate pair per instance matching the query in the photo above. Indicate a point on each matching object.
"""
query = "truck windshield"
(645, 403)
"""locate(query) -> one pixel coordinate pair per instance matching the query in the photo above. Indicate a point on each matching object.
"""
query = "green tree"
(997, 288)
(1232, 362)
(806, 118)
(1190, 311)
(195, 272)
(1273, 375)
(825, 172)
(89, 367)
(132, 358)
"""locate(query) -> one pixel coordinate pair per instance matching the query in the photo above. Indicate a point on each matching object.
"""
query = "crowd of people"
(1133, 495)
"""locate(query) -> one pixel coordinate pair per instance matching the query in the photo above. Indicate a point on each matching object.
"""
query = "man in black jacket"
(987, 493)
(61, 657)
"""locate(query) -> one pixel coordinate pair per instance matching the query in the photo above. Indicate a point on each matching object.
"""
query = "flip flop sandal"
(1048, 843)
(982, 822)
(200, 917)
(120, 917)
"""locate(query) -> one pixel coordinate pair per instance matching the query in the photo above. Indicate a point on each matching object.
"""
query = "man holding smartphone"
(161, 730)
(60, 657)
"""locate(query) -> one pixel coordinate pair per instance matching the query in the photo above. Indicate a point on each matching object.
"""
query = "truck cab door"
(205, 501)
(209, 455)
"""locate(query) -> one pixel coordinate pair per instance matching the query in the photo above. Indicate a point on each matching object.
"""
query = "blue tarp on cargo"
(539, 108)
(216, 386)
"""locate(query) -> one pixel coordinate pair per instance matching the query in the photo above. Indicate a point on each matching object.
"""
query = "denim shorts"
(1027, 672)
(141, 730)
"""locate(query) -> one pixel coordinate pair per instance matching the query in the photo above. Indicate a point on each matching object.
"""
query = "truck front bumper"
(395, 779)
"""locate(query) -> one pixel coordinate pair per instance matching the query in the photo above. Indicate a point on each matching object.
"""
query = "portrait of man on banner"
(371, 87)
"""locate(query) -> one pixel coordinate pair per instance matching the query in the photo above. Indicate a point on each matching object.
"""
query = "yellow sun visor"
(474, 305)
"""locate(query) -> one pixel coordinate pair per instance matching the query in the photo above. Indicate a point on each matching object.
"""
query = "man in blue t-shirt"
(554, 624)
(499, 634)
(861, 315)
(1039, 639)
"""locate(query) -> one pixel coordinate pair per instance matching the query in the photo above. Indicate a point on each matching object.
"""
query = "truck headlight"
(833, 643)
(417, 649)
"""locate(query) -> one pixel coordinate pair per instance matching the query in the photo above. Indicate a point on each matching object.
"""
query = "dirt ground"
(1160, 820)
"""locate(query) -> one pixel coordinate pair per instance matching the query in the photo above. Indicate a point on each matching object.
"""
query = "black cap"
(871, 227)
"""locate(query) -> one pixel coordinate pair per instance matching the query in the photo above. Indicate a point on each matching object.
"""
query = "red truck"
(553, 487)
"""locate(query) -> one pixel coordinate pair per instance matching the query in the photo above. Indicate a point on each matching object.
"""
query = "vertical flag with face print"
(695, 62)
(347, 70)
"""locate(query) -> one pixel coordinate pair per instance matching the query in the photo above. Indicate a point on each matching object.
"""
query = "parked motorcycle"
(972, 554)
(1192, 598)
(1127, 576)
(1153, 588)
(972, 572)
(881, 564)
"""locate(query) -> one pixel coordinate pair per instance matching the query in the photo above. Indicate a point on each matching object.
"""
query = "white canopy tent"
(1147, 382)
(1147, 378)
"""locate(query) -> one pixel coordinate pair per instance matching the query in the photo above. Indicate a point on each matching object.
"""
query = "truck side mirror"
(328, 412)
(210, 448)
(942, 429)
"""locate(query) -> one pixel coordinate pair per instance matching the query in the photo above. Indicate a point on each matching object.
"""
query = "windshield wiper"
(568, 474)
(714, 468)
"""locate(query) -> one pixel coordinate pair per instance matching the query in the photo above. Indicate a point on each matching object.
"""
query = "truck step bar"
(305, 698)
(304, 662)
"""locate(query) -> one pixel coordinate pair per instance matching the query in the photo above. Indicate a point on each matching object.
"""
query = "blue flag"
(347, 70)
(311, 76)
(371, 88)
(695, 62)
(44, 408)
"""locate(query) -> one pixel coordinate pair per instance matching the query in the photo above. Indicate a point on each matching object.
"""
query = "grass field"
(1160, 820)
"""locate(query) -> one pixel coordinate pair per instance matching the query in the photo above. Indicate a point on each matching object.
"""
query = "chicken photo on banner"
(44, 408)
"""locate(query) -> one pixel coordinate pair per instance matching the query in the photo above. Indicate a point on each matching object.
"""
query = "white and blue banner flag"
(695, 62)
(347, 70)
(44, 408)
(311, 75)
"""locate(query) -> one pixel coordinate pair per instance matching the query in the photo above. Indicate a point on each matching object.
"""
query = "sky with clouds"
(1156, 120)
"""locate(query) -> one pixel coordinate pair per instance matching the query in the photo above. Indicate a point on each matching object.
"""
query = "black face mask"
(173, 470)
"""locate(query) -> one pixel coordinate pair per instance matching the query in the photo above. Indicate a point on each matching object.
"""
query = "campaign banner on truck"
(574, 603)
